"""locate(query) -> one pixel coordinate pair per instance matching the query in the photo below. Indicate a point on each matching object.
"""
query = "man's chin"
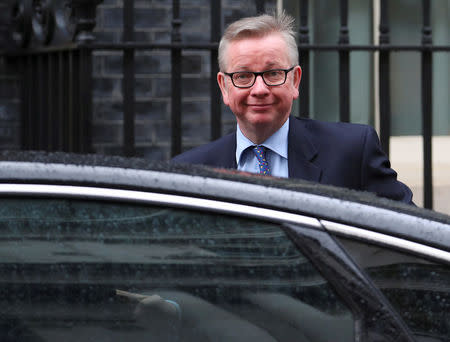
(265, 119)
(261, 121)
(261, 118)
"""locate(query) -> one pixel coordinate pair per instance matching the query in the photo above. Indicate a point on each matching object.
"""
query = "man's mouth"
(259, 105)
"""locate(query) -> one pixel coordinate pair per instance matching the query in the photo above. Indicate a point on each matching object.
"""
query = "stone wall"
(153, 82)
(9, 89)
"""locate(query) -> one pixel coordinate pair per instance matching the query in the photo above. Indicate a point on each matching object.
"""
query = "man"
(259, 79)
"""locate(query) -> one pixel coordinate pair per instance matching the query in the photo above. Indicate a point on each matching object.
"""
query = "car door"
(413, 276)
(102, 264)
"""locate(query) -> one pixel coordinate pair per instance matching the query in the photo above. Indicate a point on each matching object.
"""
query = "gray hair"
(260, 26)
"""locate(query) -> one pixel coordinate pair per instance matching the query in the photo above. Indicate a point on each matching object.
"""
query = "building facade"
(364, 61)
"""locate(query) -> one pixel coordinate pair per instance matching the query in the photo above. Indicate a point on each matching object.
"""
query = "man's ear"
(296, 80)
(223, 87)
(297, 76)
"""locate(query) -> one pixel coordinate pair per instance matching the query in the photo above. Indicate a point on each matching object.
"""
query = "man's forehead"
(272, 37)
(252, 67)
(267, 59)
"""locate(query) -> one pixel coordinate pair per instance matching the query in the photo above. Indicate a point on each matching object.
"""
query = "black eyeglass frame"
(256, 74)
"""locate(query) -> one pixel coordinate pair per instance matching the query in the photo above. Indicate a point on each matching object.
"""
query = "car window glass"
(75, 270)
(417, 288)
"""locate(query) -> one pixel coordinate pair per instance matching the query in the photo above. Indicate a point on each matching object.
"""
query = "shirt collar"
(277, 142)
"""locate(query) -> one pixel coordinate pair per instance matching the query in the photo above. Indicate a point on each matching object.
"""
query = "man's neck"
(258, 135)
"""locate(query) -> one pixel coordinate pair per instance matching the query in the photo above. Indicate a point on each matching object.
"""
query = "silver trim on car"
(386, 240)
(390, 221)
(157, 198)
(221, 207)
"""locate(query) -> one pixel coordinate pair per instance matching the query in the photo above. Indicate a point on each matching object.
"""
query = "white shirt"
(276, 155)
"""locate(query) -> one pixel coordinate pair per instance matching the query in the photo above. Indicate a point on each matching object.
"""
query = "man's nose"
(260, 86)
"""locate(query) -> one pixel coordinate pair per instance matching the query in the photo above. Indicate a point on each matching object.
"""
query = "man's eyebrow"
(269, 66)
(242, 68)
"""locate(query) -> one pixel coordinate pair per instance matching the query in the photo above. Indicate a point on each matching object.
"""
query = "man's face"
(260, 107)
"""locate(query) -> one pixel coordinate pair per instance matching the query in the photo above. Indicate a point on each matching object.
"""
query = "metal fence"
(56, 84)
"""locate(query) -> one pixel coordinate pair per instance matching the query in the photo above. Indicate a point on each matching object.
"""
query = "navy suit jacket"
(340, 154)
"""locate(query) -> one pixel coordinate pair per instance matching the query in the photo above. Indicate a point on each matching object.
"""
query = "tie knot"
(260, 152)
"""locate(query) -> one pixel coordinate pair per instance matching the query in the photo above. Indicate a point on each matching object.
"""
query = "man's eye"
(273, 73)
(242, 76)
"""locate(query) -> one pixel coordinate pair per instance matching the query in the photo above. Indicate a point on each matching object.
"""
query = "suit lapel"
(228, 154)
(301, 152)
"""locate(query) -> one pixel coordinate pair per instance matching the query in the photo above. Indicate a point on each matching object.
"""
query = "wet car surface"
(108, 249)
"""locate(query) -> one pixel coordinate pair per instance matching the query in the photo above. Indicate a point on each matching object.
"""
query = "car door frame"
(374, 317)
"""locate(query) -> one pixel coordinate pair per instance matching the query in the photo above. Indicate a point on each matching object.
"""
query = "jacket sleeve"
(376, 172)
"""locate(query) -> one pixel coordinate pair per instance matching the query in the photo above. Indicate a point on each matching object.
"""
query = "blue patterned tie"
(260, 152)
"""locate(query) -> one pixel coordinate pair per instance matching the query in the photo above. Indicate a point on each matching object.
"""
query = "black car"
(96, 248)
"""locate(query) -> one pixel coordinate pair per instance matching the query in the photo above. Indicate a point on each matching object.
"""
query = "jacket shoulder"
(220, 153)
(332, 127)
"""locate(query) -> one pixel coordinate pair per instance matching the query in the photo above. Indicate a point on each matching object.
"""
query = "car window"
(418, 289)
(74, 270)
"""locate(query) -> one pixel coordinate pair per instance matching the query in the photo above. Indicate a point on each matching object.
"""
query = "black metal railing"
(56, 97)
(56, 80)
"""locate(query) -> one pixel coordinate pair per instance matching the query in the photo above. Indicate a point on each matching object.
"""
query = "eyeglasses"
(246, 79)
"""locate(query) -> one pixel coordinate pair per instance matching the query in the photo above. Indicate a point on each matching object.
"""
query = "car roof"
(346, 206)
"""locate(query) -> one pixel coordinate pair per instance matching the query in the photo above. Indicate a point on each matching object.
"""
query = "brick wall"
(9, 90)
(153, 82)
